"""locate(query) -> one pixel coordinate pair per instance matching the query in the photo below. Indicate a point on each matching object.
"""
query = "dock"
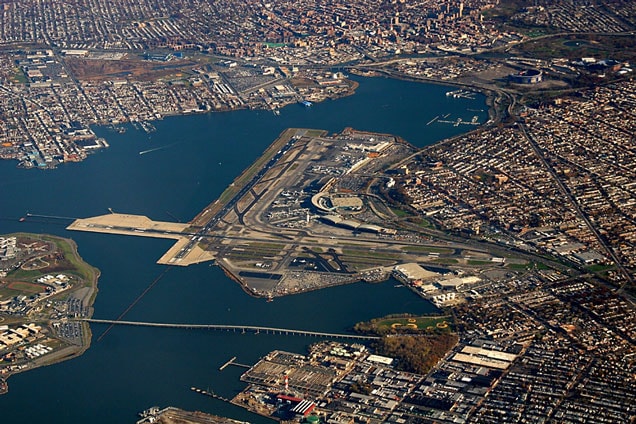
(461, 94)
(232, 361)
(460, 121)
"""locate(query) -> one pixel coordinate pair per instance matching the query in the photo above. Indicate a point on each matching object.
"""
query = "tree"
(416, 353)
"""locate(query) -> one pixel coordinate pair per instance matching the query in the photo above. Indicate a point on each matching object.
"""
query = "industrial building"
(413, 272)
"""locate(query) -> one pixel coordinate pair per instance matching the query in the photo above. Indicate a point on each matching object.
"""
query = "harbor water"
(171, 174)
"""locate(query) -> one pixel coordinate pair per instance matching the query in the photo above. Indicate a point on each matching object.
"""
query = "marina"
(459, 121)
(147, 126)
(461, 94)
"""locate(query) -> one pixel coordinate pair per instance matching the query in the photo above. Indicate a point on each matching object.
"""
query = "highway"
(566, 192)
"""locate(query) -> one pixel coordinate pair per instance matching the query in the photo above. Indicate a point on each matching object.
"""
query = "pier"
(461, 94)
(241, 328)
(432, 120)
(460, 121)
(211, 394)
(64, 218)
(231, 360)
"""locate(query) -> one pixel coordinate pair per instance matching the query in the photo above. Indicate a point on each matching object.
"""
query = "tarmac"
(142, 226)
(134, 225)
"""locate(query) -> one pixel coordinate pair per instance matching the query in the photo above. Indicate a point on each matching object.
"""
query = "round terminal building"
(529, 76)
(329, 203)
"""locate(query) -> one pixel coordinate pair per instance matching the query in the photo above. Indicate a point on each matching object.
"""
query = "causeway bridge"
(242, 328)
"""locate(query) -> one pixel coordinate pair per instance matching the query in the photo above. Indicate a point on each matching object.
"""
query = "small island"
(44, 288)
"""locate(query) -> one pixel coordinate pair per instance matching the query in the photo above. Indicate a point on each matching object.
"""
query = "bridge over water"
(242, 328)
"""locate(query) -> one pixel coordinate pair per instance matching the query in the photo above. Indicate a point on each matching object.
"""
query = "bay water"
(172, 174)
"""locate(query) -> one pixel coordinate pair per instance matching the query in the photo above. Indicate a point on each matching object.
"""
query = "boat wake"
(143, 152)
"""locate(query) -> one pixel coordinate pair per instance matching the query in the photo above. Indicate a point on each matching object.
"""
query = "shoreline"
(248, 291)
(71, 351)
(235, 186)
(490, 94)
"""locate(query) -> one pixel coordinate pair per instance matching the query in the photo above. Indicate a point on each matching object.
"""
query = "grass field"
(427, 249)
(274, 45)
(474, 262)
(81, 268)
(26, 287)
(270, 246)
(599, 268)
(20, 274)
(18, 288)
(7, 293)
(619, 47)
(19, 77)
(370, 255)
(400, 213)
(315, 133)
(424, 323)
(422, 223)
(445, 261)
